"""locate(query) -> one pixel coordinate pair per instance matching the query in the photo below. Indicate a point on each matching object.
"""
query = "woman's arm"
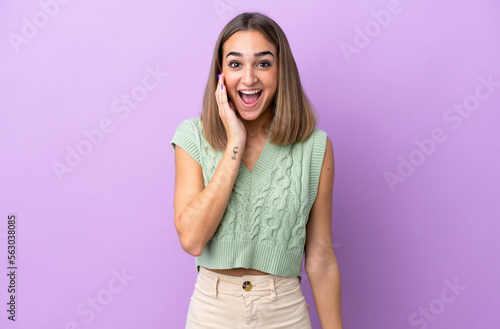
(321, 264)
(198, 210)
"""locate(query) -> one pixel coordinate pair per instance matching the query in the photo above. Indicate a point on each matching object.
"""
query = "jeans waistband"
(214, 283)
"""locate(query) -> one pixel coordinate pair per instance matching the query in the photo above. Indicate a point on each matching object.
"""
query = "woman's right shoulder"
(188, 137)
(191, 128)
(190, 124)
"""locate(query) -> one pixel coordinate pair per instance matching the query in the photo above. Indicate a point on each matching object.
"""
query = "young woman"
(253, 189)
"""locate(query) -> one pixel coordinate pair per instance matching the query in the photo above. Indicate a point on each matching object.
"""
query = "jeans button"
(247, 286)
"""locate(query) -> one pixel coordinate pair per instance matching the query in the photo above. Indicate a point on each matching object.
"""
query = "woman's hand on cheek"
(234, 127)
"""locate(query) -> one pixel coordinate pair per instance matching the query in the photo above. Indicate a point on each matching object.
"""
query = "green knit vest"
(264, 225)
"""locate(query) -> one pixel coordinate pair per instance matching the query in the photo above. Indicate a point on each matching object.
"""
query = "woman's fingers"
(227, 112)
(222, 90)
(221, 95)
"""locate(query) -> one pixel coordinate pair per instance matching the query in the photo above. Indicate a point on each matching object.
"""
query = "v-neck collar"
(263, 166)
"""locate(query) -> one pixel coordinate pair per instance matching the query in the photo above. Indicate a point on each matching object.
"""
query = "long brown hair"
(293, 117)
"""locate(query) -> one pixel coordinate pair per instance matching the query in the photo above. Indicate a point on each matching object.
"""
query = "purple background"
(102, 233)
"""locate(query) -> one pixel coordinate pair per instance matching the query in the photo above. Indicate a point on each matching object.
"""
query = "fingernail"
(219, 75)
(221, 86)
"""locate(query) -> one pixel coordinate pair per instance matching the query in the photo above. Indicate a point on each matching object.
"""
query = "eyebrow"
(260, 54)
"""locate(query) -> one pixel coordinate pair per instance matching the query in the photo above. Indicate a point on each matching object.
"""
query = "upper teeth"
(249, 92)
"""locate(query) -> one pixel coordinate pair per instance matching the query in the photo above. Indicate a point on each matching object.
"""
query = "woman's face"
(250, 67)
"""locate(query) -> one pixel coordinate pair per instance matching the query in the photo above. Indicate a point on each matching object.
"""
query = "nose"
(249, 76)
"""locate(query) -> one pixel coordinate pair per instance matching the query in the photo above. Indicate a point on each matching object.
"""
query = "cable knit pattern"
(264, 225)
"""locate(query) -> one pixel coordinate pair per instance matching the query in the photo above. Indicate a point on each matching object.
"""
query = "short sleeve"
(188, 137)
(318, 154)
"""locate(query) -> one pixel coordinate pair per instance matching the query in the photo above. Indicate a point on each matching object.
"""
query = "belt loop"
(273, 289)
(216, 287)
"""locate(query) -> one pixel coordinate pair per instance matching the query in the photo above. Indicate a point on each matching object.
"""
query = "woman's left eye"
(265, 64)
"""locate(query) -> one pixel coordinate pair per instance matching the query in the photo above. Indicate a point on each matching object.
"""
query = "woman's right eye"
(234, 64)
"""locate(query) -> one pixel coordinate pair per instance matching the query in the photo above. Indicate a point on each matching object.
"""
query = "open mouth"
(250, 98)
